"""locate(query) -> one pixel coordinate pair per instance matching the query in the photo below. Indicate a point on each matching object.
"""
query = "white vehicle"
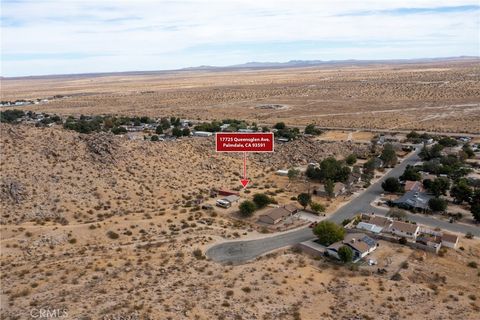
(223, 203)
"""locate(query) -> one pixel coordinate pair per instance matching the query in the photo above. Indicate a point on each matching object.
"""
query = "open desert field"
(434, 96)
(102, 227)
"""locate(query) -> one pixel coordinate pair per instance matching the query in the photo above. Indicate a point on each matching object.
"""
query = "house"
(338, 189)
(202, 134)
(414, 186)
(449, 240)
(381, 222)
(413, 200)
(353, 178)
(430, 240)
(275, 215)
(283, 139)
(232, 198)
(246, 130)
(377, 163)
(405, 229)
(224, 126)
(387, 139)
(291, 208)
(360, 243)
(369, 227)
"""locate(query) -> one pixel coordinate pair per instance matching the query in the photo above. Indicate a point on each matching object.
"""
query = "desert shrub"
(397, 277)
(472, 264)
(247, 208)
(197, 253)
(112, 235)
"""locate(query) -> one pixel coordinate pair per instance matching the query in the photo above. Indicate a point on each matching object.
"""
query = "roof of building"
(404, 226)
(414, 199)
(413, 186)
(357, 241)
(380, 221)
(291, 207)
(448, 237)
(277, 213)
(369, 227)
(232, 198)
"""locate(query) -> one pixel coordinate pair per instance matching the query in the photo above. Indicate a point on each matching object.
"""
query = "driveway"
(242, 251)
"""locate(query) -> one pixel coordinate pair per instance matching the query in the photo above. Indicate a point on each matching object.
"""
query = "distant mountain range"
(311, 63)
(265, 65)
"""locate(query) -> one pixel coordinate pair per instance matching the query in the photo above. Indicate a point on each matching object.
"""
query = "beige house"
(404, 229)
(338, 189)
(449, 240)
(275, 215)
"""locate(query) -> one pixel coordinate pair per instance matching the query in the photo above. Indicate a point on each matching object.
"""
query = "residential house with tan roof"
(449, 240)
(275, 215)
(338, 189)
(405, 229)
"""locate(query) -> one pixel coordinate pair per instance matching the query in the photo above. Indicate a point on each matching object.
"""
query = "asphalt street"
(245, 250)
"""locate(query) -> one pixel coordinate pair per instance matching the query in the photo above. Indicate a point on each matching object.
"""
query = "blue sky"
(69, 36)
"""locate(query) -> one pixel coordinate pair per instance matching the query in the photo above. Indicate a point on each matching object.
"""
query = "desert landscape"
(432, 96)
(103, 226)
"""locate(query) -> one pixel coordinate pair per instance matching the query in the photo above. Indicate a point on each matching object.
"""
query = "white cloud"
(143, 35)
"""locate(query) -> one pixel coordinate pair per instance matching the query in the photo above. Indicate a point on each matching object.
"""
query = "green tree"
(328, 232)
(369, 166)
(447, 142)
(165, 123)
(247, 208)
(119, 130)
(351, 159)
(154, 138)
(461, 191)
(159, 129)
(389, 156)
(261, 200)
(317, 207)
(437, 204)
(304, 199)
(177, 132)
(329, 188)
(468, 150)
(310, 129)
(280, 126)
(439, 186)
(345, 254)
(293, 174)
(411, 174)
(392, 185)
(475, 210)
(186, 132)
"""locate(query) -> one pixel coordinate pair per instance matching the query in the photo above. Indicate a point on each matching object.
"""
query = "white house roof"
(369, 227)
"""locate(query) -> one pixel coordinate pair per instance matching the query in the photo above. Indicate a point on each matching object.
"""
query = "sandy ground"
(432, 96)
(118, 230)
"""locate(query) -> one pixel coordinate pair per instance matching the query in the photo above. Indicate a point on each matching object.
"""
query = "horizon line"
(274, 65)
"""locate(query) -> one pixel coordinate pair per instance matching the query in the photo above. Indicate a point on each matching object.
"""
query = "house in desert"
(405, 229)
(275, 215)
(338, 189)
(360, 243)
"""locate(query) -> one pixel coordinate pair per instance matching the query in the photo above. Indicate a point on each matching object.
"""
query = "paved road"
(245, 250)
